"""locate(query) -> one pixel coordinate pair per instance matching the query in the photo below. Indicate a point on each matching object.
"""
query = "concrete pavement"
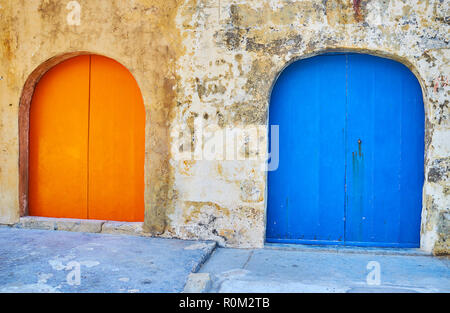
(60, 261)
(316, 269)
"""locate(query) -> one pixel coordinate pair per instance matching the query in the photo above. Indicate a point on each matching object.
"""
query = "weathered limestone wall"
(213, 63)
(234, 52)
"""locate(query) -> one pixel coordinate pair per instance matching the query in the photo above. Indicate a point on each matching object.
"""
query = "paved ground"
(59, 261)
(326, 270)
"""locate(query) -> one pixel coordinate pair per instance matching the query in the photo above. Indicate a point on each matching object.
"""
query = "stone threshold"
(348, 249)
(81, 225)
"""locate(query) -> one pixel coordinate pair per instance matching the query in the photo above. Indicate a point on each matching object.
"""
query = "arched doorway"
(351, 153)
(86, 142)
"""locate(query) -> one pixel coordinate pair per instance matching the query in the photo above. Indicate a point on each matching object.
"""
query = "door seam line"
(88, 136)
(345, 148)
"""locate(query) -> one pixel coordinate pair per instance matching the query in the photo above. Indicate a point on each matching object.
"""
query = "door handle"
(359, 147)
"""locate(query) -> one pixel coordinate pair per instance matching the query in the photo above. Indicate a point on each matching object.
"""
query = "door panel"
(305, 196)
(116, 143)
(87, 142)
(385, 174)
(58, 147)
(351, 153)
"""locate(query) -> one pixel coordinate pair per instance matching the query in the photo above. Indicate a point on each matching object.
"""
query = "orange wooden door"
(87, 126)
(58, 149)
(116, 143)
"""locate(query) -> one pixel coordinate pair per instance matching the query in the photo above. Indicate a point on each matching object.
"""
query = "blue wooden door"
(351, 138)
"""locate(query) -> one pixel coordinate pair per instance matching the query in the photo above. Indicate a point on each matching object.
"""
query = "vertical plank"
(116, 143)
(58, 141)
(382, 176)
(306, 192)
(412, 158)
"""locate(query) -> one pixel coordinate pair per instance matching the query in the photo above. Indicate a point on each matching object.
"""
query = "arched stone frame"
(155, 161)
(378, 53)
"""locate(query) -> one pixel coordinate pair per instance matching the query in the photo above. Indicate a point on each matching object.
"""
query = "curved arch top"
(380, 54)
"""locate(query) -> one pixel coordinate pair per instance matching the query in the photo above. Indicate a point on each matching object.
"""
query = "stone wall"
(213, 63)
